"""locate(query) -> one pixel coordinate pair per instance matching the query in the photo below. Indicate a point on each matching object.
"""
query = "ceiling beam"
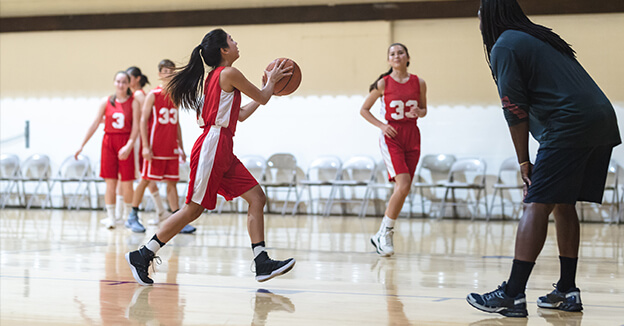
(295, 14)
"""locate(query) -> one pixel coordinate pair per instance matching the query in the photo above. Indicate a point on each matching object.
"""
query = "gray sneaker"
(133, 223)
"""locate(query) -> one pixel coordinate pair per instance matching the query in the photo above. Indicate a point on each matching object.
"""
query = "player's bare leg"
(383, 239)
(266, 268)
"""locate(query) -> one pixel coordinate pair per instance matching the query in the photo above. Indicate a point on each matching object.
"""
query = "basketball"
(288, 84)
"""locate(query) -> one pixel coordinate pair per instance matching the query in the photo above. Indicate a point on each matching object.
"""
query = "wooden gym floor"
(62, 267)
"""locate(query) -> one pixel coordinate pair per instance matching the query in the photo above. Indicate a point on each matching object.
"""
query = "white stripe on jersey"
(205, 163)
(385, 154)
(225, 109)
(383, 110)
(154, 123)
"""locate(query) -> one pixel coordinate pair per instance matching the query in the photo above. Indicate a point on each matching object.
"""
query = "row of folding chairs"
(32, 182)
(363, 174)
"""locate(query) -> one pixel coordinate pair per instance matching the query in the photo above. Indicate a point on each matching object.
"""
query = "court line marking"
(276, 291)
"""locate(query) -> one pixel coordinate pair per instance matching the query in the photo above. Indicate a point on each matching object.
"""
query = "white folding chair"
(321, 172)
(36, 169)
(75, 171)
(280, 176)
(613, 202)
(10, 177)
(509, 180)
(466, 175)
(432, 171)
(380, 182)
(357, 172)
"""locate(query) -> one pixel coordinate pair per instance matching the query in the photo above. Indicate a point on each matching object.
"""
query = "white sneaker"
(108, 223)
(383, 243)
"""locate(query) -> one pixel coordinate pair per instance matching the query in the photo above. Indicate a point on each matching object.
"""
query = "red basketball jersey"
(163, 126)
(220, 107)
(118, 117)
(399, 99)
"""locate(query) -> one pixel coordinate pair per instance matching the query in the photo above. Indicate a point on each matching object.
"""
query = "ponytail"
(136, 72)
(374, 85)
(187, 87)
(187, 84)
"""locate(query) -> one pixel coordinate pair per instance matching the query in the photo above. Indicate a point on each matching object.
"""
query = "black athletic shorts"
(568, 175)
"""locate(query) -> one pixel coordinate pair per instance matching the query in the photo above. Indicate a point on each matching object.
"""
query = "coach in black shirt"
(545, 91)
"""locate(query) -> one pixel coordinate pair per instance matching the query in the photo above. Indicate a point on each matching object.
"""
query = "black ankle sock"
(261, 243)
(520, 272)
(135, 209)
(146, 253)
(568, 273)
(261, 257)
(155, 238)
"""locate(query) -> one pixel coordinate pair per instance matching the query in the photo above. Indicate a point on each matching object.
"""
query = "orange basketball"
(288, 84)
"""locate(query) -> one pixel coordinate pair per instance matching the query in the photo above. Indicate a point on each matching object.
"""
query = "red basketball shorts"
(111, 167)
(159, 170)
(216, 170)
(401, 153)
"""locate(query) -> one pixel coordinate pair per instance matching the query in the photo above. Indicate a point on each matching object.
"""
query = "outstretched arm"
(98, 119)
(231, 78)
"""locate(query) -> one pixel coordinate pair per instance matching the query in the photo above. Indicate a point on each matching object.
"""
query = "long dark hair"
(498, 16)
(374, 85)
(187, 85)
(136, 72)
(128, 92)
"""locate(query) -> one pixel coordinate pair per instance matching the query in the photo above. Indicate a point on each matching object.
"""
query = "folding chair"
(77, 172)
(36, 169)
(280, 175)
(10, 177)
(321, 172)
(357, 173)
(432, 171)
(467, 175)
(380, 182)
(509, 179)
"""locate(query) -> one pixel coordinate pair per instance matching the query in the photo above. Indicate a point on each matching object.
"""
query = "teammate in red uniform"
(214, 167)
(137, 83)
(403, 101)
(162, 147)
(121, 115)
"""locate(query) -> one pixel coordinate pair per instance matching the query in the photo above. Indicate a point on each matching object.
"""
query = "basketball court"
(62, 268)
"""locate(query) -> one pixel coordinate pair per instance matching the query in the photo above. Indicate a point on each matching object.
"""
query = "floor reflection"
(561, 318)
(265, 302)
(385, 270)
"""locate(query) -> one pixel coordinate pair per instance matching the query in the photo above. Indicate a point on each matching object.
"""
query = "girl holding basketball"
(121, 114)
(403, 101)
(214, 167)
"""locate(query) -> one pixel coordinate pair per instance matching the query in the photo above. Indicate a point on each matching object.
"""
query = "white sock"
(258, 250)
(160, 208)
(110, 211)
(153, 246)
(119, 207)
(386, 223)
(127, 207)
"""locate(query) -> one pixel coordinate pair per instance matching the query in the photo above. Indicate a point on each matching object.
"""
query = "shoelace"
(496, 293)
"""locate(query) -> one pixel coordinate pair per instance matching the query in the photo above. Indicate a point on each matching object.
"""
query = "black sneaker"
(267, 268)
(139, 264)
(498, 301)
(566, 301)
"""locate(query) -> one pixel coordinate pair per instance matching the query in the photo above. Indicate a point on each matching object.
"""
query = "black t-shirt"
(564, 106)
